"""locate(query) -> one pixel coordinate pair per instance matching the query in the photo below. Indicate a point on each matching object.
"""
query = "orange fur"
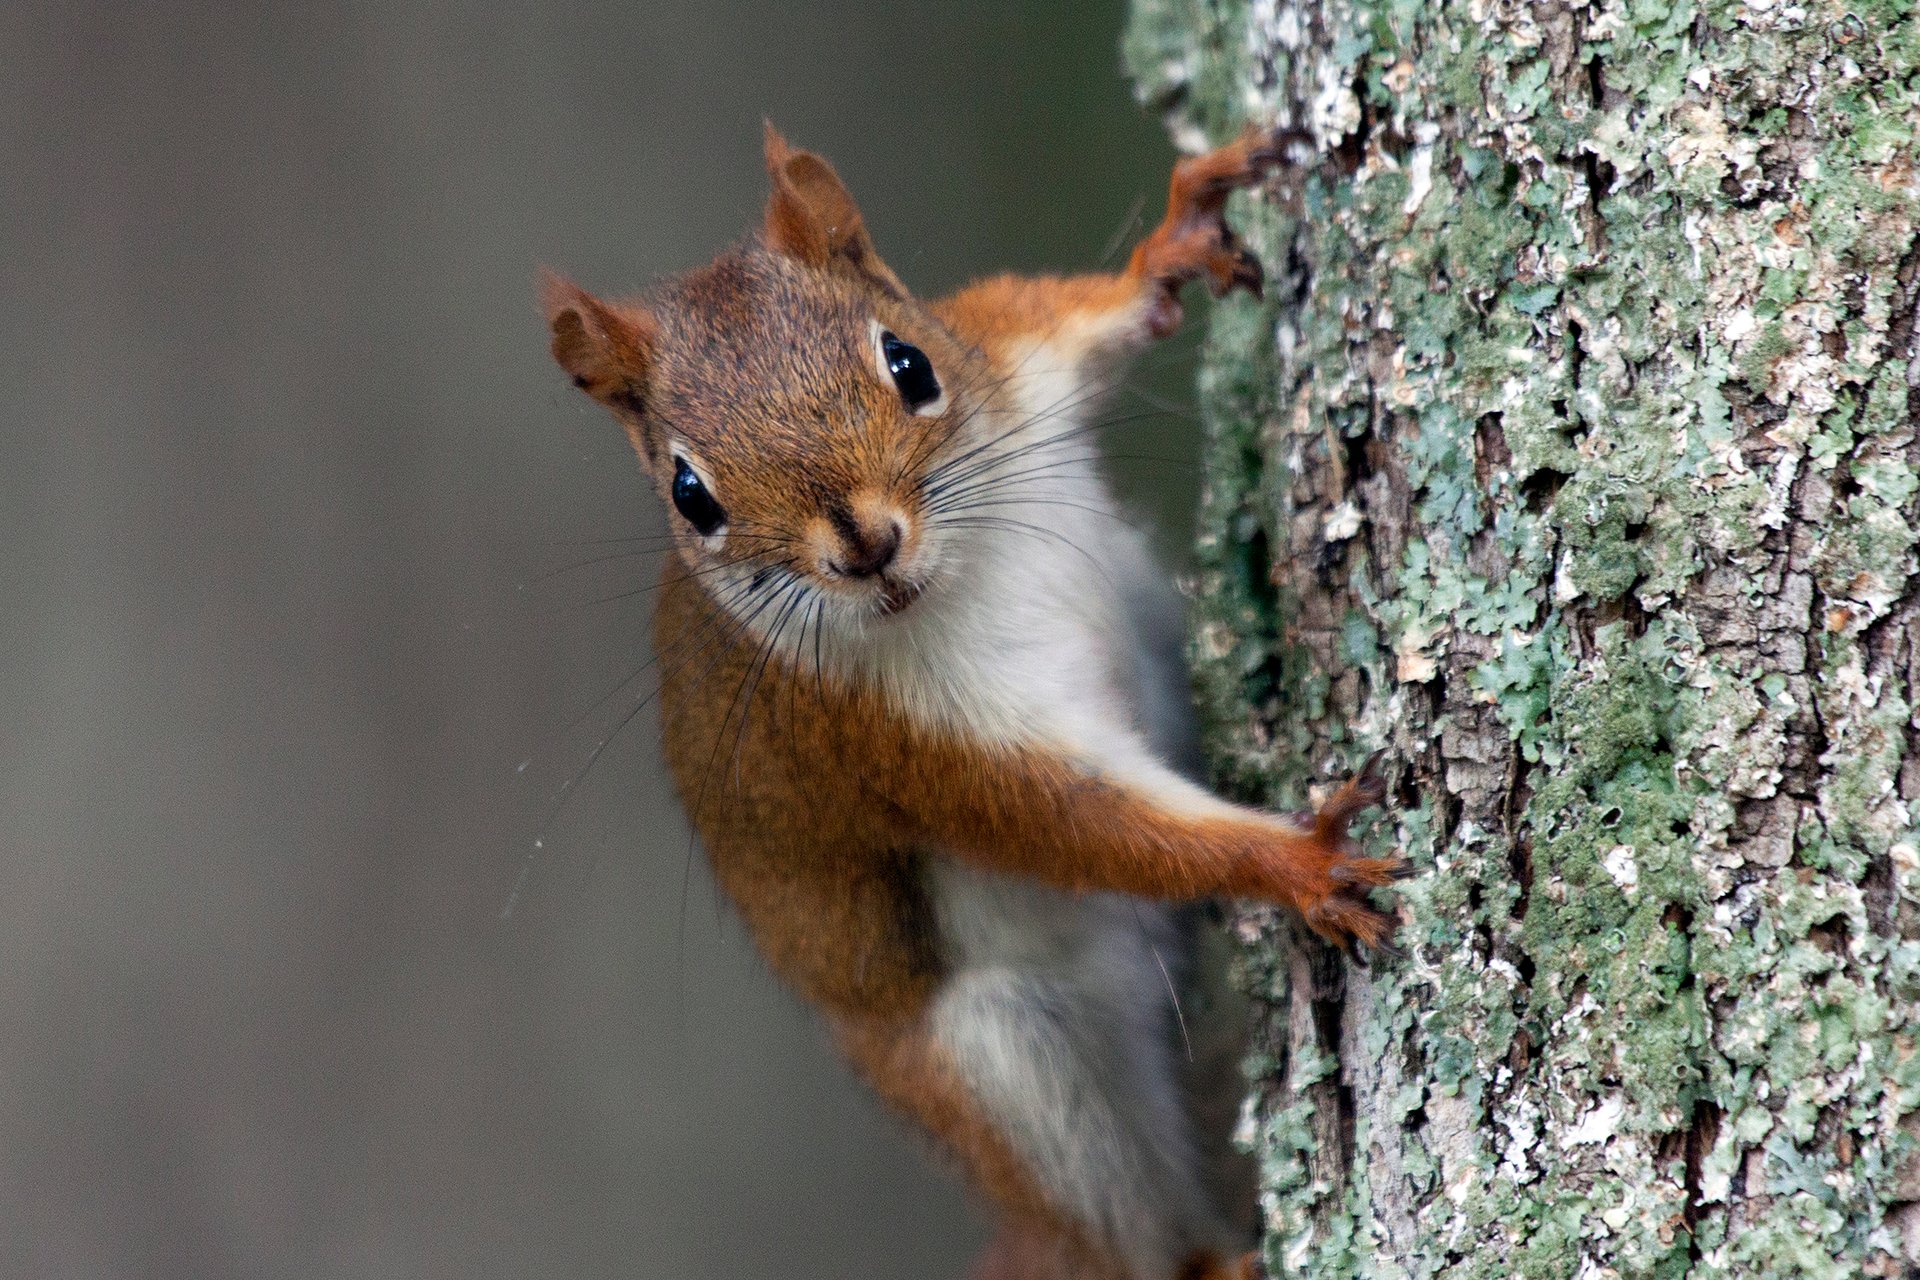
(816, 798)
(910, 1074)
(816, 840)
(810, 216)
(1191, 242)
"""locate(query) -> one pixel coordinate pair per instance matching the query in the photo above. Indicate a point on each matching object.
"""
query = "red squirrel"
(922, 693)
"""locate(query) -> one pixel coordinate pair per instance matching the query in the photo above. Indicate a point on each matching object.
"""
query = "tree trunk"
(1572, 459)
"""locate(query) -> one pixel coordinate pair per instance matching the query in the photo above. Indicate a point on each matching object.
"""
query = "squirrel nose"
(868, 550)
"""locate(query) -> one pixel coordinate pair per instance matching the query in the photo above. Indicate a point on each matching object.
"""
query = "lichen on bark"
(1572, 458)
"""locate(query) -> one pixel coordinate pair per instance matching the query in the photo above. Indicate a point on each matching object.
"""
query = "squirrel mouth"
(896, 595)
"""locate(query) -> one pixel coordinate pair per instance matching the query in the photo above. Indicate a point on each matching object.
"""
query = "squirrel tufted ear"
(812, 217)
(606, 349)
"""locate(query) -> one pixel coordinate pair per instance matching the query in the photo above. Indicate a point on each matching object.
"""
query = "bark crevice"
(1581, 430)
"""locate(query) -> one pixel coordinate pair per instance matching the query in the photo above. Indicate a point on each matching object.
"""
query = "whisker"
(721, 625)
(706, 626)
(720, 733)
(721, 602)
(946, 484)
(1114, 516)
(937, 441)
(1039, 532)
(692, 575)
(947, 498)
(635, 553)
(1064, 404)
(768, 652)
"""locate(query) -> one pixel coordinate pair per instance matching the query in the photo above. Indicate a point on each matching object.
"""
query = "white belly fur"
(1059, 1009)
(1059, 1015)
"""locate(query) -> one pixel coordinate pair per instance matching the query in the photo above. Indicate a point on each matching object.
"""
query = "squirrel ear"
(607, 350)
(812, 217)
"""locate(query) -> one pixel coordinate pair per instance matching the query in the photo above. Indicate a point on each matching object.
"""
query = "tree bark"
(1572, 459)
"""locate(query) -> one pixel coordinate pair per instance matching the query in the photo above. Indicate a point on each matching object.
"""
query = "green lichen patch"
(1573, 457)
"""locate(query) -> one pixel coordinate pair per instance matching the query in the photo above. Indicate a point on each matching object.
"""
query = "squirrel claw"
(1235, 267)
(1371, 873)
(1342, 920)
(1193, 241)
(1363, 954)
(1363, 790)
(1336, 908)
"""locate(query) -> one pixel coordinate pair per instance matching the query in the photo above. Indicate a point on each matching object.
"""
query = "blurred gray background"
(283, 471)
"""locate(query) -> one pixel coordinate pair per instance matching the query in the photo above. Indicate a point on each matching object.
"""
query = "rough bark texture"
(1572, 458)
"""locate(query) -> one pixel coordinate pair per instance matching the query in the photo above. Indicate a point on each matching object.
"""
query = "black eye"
(693, 500)
(912, 371)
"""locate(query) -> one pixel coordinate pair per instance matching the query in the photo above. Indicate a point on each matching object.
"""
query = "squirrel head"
(789, 401)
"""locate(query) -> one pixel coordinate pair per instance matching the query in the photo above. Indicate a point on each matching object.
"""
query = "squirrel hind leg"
(1091, 1103)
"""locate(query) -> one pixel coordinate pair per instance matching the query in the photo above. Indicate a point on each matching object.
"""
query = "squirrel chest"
(805, 784)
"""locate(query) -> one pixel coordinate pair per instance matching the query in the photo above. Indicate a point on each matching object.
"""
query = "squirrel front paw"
(1193, 241)
(1322, 875)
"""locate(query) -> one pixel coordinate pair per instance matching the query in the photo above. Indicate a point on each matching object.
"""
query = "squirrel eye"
(694, 502)
(912, 371)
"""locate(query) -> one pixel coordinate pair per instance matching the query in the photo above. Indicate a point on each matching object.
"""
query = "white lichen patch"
(1577, 428)
(1597, 1124)
(1622, 868)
